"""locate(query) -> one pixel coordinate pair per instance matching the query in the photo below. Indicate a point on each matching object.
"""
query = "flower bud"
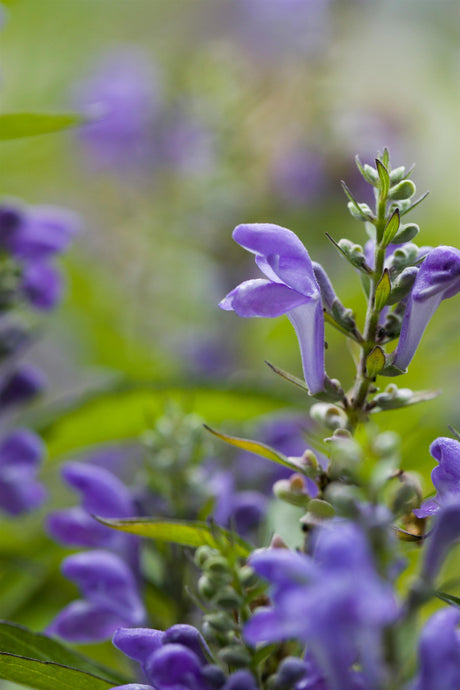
(409, 494)
(406, 233)
(397, 174)
(291, 494)
(330, 415)
(364, 211)
(206, 587)
(403, 284)
(247, 576)
(227, 599)
(221, 622)
(202, 554)
(318, 511)
(403, 190)
(235, 655)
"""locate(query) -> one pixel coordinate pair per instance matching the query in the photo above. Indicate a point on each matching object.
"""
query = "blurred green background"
(274, 111)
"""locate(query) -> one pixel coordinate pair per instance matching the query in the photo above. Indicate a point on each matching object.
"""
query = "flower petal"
(308, 322)
(279, 254)
(262, 298)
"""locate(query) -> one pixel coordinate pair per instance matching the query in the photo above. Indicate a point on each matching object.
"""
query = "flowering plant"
(334, 608)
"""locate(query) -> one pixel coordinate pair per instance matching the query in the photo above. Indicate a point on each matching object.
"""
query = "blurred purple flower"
(33, 235)
(21, 453)
(278, 29)
(316, 601)
(122, 101)
(298, 175)
(444, 534)
(291, 289)
(241, 510)
(21, 386)
(437, 279)
(445, 477)
(102, 494)
(111, 598)
(439, 653)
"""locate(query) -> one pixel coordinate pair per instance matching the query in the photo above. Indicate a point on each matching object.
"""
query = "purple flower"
(241, 680)
(291, 289)
(20, 455)
(21, 386)
(242, 510)
(437, 279)
(316, 601)
(122, 101)
(298, 175)
(445, 532)
(102, 494)
(175, 658)
(111, 598)
(445, 477)
(33, 235)
(439, 653)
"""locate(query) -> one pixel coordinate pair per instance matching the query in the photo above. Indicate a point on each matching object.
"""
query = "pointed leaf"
(290, 377)
(46, 675)
(193, 534)
(382, 291)
(384, 178)
(375, 362)
(449, 599)
(416, 203)
(386, 157)
(257, 448)
(19, 125)
(17, 641)
(391, 228)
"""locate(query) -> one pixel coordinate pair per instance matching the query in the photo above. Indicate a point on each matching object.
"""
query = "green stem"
(356, 410)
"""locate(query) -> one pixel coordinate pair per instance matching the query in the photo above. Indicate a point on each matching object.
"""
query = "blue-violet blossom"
(290, 288)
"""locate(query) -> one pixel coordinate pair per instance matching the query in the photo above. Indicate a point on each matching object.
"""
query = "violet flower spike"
(437, 279)
(291, 289)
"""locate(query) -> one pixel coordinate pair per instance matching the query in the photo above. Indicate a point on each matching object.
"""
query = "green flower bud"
(371, 174)
(388, 442)
(408, 495)
(397, 174)
(202, 554)
(406, 233)
(206, 587)
(235, 655)
(329, 415)
(359, 211)
(218, 565)
(402, 191)
(221, 622)
(247, 576)
(403, 257)
(318, 511)
(227, 599)
(344, 498)
(284, 491)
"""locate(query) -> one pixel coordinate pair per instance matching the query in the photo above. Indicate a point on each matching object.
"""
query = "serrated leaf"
(391, 228)
(257, 448)
(375, 362)
(46, 675)
(384, 178)
(19, 642)
(19, 125)
(382, 291)
(193, 534)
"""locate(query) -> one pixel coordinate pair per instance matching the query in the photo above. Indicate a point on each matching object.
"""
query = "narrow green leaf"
(416, 203)
(375, 362)
(391, 228)
(257, 448)
(449, 599)
(386, 157)
(192, 534)
(18, 641)
(382, 291)
(290, 377)
(19, 125)
(369, 174)
(404, 535)
(355, 204)
(384, 178)
(46, 675)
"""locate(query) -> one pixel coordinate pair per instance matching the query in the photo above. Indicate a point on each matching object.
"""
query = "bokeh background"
(205, 114)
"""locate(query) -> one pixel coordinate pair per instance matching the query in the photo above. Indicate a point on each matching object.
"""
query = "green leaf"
(290, 377)
(257, 448)
(382, 291)
(375, 362)
(19, 125)
(384, 179)
(449, 599)
(386, 157)
(41, 662)
(391, 228)
(192, 534)
(46, 675)
(416, 203)
(124, 410)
